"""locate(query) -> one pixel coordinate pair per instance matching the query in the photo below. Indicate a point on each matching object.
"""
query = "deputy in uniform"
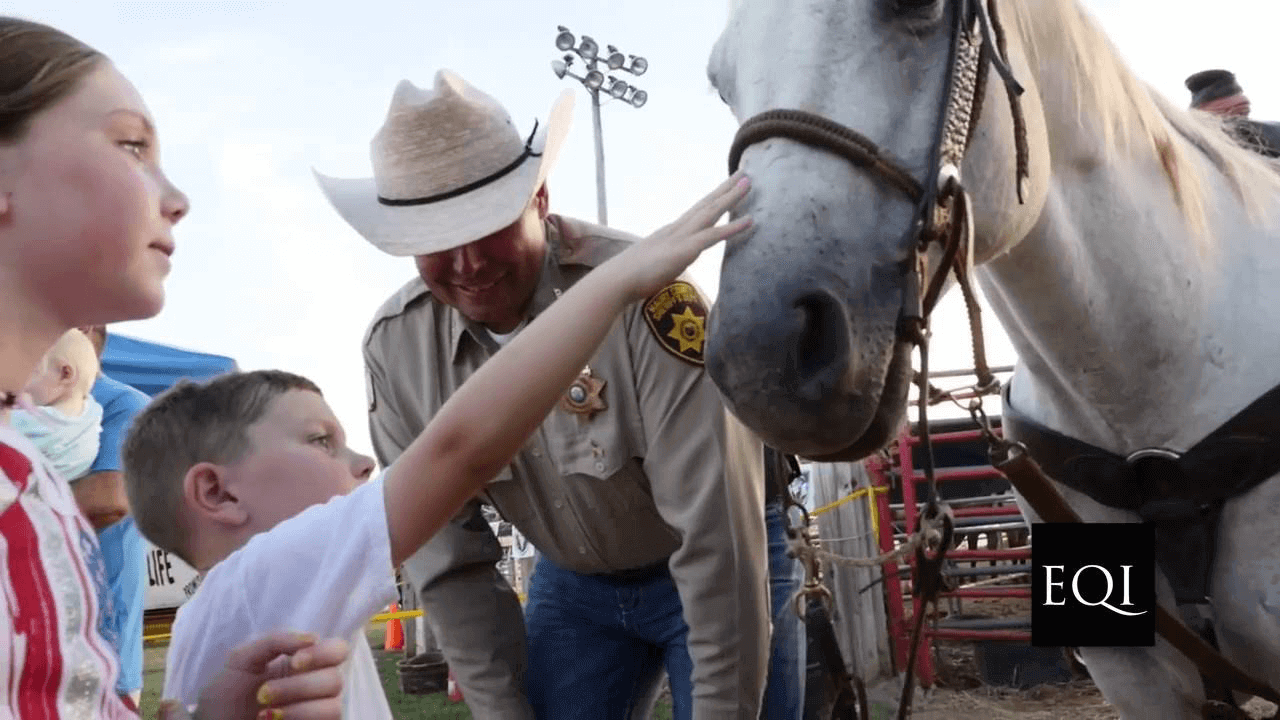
(642, 494)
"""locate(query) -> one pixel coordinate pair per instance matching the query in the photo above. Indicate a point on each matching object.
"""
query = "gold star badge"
(584, 397)
(688, 330)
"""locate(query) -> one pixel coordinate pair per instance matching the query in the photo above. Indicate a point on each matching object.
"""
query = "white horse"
(1139, 278)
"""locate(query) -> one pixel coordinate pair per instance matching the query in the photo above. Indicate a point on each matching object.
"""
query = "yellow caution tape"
(383, 617)
(871, 510)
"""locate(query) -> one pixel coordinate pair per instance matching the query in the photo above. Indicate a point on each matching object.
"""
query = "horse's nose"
(819, 339)
(800, 345)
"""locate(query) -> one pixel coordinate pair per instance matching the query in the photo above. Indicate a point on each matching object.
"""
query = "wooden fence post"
(846, 530)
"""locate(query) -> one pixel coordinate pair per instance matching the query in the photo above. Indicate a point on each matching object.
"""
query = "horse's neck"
(1129, 336)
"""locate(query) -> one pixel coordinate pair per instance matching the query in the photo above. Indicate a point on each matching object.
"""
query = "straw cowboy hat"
(449, 167)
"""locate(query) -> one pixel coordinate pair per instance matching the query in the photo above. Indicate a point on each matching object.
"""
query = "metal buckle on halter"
(1153, 452)
(1163, 502)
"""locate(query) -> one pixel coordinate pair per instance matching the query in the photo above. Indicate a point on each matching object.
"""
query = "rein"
(944, 217)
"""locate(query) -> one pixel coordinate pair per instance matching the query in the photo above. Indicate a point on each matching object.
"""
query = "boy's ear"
(208, 496)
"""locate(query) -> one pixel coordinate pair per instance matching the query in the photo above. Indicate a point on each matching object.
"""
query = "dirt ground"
(1078, 700)
(960, 694)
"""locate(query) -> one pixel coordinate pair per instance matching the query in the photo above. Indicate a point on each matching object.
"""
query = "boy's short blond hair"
(74, 348)
(189, 424)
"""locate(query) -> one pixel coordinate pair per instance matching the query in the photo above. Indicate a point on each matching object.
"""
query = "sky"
(249, 96)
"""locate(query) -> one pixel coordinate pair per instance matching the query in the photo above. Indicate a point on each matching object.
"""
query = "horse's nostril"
(819, 340)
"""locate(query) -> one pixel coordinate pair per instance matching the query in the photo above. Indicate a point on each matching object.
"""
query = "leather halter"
(977, 43)
(943, 208)
(943, 215)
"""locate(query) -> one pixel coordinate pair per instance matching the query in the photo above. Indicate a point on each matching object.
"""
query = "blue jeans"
(598, 644)
(784, 692)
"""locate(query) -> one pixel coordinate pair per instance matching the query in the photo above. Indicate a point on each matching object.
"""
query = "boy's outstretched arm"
(486, 422)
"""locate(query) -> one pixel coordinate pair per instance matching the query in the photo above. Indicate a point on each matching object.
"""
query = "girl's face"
(86, 214)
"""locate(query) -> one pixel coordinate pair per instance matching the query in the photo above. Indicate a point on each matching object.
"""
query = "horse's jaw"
(886, 419)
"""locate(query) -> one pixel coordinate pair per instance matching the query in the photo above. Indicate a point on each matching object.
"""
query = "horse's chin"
(888, 415)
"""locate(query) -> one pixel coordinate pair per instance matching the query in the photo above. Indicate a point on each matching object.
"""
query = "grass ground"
(403, 707)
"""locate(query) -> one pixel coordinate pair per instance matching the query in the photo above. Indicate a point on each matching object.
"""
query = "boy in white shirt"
(67, 422)
(248, 477)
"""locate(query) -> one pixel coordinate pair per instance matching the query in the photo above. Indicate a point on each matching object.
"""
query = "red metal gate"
(994, 516)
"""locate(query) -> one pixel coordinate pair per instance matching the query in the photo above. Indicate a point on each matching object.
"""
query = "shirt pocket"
(602, 471)
(595, 448)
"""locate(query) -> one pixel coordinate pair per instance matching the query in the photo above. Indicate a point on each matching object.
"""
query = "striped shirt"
(54, 665)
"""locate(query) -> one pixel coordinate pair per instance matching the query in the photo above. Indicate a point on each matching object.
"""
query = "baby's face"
(46, 386)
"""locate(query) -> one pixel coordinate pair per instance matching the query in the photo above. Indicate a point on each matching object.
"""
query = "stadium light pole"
(594, 79)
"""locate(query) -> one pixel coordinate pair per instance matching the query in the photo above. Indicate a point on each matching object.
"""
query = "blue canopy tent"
(154, 368)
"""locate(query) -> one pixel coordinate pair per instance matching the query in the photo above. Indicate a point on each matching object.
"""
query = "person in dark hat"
(1217, 91)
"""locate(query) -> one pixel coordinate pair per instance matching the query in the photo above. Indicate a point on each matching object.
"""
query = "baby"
(66, 422)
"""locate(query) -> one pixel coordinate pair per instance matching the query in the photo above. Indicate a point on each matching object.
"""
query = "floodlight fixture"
(586, 49)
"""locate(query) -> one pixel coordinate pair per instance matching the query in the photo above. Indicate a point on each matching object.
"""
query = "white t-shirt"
(326, 570)
(503, 338)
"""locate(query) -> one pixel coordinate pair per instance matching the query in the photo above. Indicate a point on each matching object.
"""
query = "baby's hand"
(658, 259)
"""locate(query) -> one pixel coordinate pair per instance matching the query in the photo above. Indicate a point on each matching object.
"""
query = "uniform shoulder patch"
(678, 318)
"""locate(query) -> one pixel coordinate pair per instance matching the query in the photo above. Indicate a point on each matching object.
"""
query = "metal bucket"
(423, 674)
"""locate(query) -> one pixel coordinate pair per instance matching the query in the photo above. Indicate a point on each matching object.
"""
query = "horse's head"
(803, 337)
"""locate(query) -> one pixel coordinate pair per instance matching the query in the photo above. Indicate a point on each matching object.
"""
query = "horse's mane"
(1060, 34)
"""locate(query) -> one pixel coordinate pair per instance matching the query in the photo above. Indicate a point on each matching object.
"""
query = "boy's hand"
(279, 676)
(658, 259)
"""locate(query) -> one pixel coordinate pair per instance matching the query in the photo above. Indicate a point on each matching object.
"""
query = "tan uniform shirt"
(662, 472)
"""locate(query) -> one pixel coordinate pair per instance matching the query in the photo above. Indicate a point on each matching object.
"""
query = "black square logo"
(1093, 584)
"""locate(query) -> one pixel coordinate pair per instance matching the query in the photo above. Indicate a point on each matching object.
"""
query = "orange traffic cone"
(455, 692)
(395, 632)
